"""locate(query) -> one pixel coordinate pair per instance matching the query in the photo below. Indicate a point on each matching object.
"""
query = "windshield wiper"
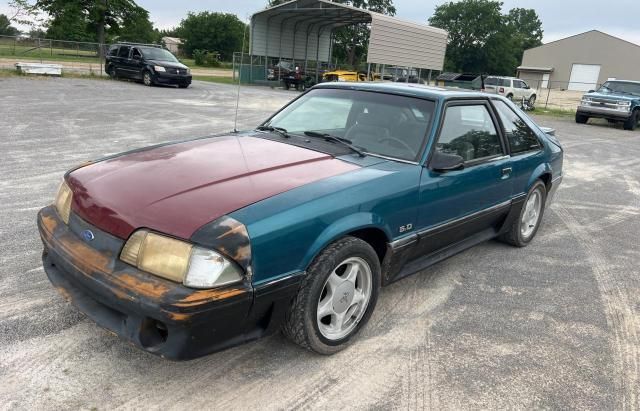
(344, 141)
(280, 130)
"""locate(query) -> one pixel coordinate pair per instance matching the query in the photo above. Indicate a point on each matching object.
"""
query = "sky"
(560, 18)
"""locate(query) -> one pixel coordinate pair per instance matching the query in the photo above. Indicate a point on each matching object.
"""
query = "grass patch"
(554, 112)
(216, 79)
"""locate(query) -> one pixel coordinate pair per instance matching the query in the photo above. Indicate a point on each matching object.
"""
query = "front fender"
(342, 227)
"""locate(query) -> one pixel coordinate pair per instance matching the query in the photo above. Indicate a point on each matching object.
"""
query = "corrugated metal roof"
(301, 30)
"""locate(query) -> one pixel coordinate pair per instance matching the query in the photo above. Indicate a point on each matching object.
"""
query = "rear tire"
(632, 122)
(581, 118)
(286, 85)
(336, 298)
(525, 227)
(111, 71)
(510, 97)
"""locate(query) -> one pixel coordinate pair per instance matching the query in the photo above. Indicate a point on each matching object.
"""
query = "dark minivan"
(153, 65)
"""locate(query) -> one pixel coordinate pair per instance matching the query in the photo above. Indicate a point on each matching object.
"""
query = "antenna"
(235, 120)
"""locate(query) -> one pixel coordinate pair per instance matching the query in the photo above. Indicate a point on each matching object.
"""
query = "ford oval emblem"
(87, 235)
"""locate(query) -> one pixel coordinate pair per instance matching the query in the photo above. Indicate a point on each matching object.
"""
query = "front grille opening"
(153, 333)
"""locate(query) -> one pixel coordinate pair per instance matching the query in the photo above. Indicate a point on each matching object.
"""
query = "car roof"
(407, 89)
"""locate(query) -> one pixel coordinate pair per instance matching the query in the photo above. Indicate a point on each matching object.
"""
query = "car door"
(457, 204)
(518, 90)
(135, 63)
(122, 61)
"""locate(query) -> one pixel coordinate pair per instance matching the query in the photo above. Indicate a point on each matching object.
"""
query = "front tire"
(525, 227)
(632, 122)
(532, 101)
(147, 78)
(336, 297)
(581, 118)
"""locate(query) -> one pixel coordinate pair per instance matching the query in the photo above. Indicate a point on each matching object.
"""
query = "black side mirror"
(591, 91)
(137, 57)
(443, 162)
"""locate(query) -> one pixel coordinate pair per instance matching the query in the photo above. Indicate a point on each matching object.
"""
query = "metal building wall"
(402, 43)
(278, 40)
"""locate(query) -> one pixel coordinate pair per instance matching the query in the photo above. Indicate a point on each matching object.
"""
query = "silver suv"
(511, 88)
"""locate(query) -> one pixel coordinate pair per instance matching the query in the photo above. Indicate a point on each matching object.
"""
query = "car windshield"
(620, 87)
(158, 54)
(376, 123)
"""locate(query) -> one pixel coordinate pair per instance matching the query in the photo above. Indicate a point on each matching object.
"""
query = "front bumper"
(172, 79)
(157, 315)
(603, 112)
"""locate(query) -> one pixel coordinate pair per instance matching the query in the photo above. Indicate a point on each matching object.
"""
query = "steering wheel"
(401, 143)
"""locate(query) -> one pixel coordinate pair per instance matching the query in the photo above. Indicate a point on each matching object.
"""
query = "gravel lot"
(555, 325)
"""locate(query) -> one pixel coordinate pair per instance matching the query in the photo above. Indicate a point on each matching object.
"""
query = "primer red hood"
(177, 188)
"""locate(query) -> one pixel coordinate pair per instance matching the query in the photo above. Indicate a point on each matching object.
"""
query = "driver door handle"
(506, 172)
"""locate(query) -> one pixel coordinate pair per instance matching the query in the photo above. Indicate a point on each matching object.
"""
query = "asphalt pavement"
(553, 325)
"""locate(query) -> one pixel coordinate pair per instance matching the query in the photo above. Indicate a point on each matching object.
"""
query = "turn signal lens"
(179, 261)
(209, 269)
(63, 202)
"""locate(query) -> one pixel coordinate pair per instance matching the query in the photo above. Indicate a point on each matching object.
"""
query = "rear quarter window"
(521, 138)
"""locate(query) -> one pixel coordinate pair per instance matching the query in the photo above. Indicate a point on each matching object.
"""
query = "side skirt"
(400, 261)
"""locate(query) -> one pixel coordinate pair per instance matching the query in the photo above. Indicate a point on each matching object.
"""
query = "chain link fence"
(75, 56)
(562, 95)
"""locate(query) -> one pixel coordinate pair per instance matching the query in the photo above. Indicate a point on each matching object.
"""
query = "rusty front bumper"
(158, 315)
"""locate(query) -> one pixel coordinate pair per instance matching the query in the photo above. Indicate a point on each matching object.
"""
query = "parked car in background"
(511, 88)
(152, 65)
(279, 70)
(344, 75)
(190, 247)
(615, 100)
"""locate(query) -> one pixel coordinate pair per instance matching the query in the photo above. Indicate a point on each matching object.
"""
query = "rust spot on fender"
(64, 293)
(49, 224)
(178, 316)
(205, 296)
(146, 288)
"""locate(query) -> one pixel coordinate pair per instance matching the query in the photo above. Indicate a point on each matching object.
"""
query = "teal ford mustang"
(191, 247)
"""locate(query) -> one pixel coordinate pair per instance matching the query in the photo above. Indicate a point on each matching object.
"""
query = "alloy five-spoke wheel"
(523, 229)
(531, 214)
(344, 298)
(336, 298)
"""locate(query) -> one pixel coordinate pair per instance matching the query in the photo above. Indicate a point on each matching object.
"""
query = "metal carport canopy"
(302, 30)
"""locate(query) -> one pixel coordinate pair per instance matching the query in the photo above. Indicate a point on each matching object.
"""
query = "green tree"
(526, 28)
(482, 39)
(213, 32)
(6, 29)
(101, 18)
(137, 28)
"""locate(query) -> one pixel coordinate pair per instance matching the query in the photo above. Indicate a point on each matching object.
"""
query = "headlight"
(179, 261)
(586, 99)
(63, 202)
(159, 68)
(188, 71)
